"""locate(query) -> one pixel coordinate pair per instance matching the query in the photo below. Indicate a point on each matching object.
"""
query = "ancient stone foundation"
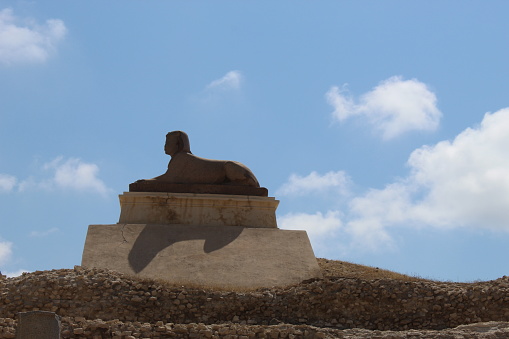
(79, 327)
(105, 304)
(214, 256)
(213, 240)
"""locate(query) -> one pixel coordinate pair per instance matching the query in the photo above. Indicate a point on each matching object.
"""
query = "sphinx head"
(176, 142)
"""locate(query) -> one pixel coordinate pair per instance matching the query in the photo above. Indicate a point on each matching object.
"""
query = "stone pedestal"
(205, 256)
(208, 240)
(197, 209)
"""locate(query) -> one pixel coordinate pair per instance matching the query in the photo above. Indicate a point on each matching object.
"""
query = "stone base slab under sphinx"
(212, 256)
(157, 186)
(197, 209)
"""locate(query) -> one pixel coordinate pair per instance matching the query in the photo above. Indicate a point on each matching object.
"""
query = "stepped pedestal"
(197, 209)
(207, 256)
(209, 240)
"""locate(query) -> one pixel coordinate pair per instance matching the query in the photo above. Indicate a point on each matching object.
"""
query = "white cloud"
(230, 81)
(5, 251)
(25, 41)
(321, 229)
(314, 182)
(371, 214)
(316, 225)
(45, 233)
(76, 175)
(30, 183)
(369, 235)
(71, 174)
(15, 273)
(5, 257)
(452, 184)
(466, 180)
(7, 182)
(394, 107)
(459, 183)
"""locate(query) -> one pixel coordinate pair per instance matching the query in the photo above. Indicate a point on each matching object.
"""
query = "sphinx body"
(186, 168)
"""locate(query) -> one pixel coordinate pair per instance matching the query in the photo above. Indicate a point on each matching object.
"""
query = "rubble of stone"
(79, 327)
(130, 307)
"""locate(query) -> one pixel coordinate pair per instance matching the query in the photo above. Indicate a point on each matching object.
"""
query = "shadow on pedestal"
(154, 238)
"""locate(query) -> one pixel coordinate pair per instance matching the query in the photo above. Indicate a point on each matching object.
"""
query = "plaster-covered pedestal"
(211, 240)
(197, 209)
(211, 256)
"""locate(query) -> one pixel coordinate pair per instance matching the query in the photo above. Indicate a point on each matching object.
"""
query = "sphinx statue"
(190, 173)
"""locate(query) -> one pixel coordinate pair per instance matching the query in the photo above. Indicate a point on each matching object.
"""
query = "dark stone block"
(38, 325)
(157, 186)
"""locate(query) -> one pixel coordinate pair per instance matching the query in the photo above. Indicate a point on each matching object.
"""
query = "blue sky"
(382, 127)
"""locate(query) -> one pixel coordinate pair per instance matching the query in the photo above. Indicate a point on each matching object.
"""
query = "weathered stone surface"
(103, 302)
(197, 209)
(96, 329)
(186, 168)
(214, 256)
(38, 325)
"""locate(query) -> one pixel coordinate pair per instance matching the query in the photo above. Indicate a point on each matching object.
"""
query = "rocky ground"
(81, 328)
(343, 269)
(352, 301)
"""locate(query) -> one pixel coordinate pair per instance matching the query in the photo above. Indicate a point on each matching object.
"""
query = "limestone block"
(215, 256)
(197, 209)
(38, 325)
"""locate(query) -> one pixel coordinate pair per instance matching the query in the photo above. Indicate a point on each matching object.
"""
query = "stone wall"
(339, 303)
(79, 327)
